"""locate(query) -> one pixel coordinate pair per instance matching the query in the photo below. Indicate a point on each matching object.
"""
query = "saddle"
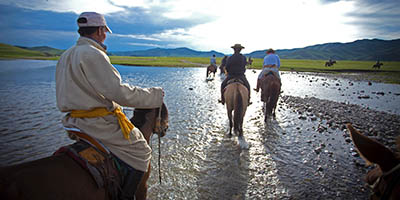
(212, 68)
(103, 167)
(270, 73)
(235, 80)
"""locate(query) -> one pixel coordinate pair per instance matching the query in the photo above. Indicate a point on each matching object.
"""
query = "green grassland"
(389, 72)
(12, 52)
(160, 61)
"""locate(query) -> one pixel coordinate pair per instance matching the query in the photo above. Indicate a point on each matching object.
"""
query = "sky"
(202, 25)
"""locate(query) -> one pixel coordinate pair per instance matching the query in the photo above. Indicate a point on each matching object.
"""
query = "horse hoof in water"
(242, 143)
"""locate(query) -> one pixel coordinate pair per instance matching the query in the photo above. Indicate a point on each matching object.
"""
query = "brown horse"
(377, 65)
(330, 63)
(211, 69)
(236, 98)
(60, 177)
(270, 90)
(385, 178)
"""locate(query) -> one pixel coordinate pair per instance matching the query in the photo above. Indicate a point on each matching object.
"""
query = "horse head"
(385, 178)
(154, 118)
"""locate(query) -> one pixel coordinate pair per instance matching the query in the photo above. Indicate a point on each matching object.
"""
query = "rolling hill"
(8, 51)
(384, 50)
(160, 52)
(367, 49)
(49, 51)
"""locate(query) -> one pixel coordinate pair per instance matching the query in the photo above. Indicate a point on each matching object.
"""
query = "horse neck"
(147, 131)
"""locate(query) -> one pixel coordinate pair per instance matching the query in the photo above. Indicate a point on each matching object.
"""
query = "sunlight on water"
(198, 160)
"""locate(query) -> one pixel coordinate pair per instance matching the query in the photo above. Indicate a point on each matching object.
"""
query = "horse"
(236, 98)
(222, 70)
(60, 177)
(330, 63)
(377, 65)
(270, 90)
(211, 69)
(249, 62)
(385, 178)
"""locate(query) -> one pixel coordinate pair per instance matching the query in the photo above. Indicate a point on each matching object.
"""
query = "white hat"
(93, 19)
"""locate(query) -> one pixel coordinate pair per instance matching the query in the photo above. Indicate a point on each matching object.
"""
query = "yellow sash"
(124, 123)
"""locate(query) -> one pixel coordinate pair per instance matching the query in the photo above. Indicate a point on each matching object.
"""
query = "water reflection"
(198, 160)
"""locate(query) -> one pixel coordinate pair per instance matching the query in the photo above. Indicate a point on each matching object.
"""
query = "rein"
(388, 190)
(158, 130)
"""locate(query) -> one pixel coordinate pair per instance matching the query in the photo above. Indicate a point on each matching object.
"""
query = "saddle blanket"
(103, 168)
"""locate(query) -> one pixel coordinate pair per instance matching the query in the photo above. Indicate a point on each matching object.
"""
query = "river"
(198, 160)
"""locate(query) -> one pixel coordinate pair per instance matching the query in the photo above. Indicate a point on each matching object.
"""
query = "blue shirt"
(213, 61)
(272, 59)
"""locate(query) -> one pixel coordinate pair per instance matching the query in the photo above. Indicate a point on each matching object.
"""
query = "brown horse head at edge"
(385, 178)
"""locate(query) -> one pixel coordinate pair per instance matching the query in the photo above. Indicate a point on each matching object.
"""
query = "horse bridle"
(395, 179)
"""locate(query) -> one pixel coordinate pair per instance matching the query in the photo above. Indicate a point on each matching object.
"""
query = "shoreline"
(382, 76)
(382, 126)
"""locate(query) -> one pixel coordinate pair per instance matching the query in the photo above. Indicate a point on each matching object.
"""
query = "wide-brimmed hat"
(93, 19)
(237, 46)
(270, 50)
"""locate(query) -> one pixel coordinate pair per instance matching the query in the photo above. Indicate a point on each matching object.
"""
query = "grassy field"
(389, 72)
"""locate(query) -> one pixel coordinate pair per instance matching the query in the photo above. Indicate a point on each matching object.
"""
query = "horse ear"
(372, 151)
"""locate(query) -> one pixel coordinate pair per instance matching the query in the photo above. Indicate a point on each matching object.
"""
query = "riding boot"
(258, 85)
(131, 182)
(222, 98)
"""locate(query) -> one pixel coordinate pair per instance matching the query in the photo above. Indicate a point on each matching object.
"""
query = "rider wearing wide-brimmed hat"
(235, 67)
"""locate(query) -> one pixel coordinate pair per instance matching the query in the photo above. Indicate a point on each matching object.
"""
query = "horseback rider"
(235, 67)
(213, 61)
(90, 92)
(271, 63)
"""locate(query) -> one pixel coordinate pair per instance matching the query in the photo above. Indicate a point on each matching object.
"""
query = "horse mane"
(139, 114)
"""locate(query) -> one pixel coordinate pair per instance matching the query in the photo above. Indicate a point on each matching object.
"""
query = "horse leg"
(230, 123)
(141, 191)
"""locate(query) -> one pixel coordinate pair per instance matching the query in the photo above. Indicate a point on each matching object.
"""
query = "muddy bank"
(382, 126)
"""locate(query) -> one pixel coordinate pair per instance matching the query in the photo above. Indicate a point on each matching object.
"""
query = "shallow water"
(198, 160)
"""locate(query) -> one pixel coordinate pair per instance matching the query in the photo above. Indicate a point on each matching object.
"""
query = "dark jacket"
(236, 64)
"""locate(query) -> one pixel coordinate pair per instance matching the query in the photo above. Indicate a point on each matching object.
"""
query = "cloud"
(208, 24)
(75, 6)
(377, 18)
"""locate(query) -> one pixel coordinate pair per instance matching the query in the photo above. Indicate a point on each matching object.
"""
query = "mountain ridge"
(365, 49)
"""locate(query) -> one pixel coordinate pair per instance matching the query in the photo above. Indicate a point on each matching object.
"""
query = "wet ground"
(301, 154)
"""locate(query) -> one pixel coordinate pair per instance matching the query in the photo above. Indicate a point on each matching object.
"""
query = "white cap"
(93, 19)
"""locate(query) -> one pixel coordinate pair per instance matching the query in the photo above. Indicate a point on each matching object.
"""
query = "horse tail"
(237, 118)
(274, 91)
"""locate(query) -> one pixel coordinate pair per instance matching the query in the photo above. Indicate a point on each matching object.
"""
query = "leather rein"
(390, 186)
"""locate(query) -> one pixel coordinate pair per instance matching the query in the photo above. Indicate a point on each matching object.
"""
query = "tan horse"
(384, 179)
(60, 177)
(236, 98)
(270, 90)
